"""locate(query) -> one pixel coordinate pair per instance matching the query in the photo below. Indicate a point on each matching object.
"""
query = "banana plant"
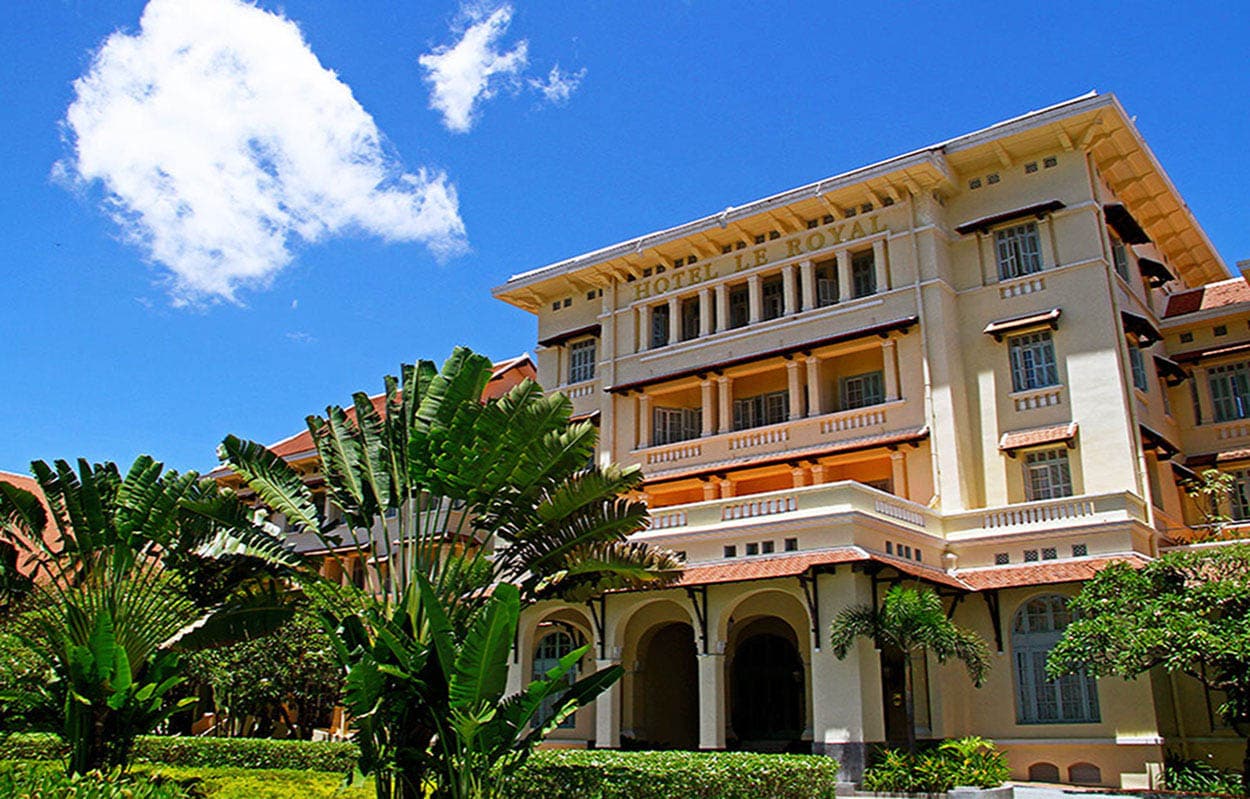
(129, 571)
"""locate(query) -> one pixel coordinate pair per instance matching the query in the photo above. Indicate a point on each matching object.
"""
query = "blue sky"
(194, 153)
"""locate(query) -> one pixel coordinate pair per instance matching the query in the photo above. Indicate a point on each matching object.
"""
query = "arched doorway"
(666, 691)
(767, 681)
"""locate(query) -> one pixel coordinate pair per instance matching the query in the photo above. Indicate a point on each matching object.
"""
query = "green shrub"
(663, 775)
(1198, 776)
(38, 781)
(964, 761)
(256, 753)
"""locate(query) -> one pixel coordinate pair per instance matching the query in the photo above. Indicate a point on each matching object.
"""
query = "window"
(690, 319)
(1230, 391)
(792, 545)
(551, 647)
(767, 547)
(1019, 251)
(753, 549)
(1119, 257)
(659, 326)
(1241, 494)
(1138, 364)
(826, 283)
(739, 306)
(582, 361)
(761, 409)
(731, 551)
(863, 274)
(675, 424)
(1002, 559)
(860, 391)
(1079, 550)
(1033, 362)
(773, 295)
(1073, 698)
(1046, 475)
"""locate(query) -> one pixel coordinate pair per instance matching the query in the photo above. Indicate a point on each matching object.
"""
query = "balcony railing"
(851, 497)
(778, 438)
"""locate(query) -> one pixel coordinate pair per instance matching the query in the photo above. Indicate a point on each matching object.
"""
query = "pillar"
(818, 473)
(788, 290)
(644, 421)
(799, 477)
(674, 320)
(807, 276)
(705, 312)
(755, 299)
(608, 711)
(708, 406)
(794, 385)
(722, 306)
(712, 701)
(846, 289)
(889, 361)
(815, 401)
(878, 263)
(898, 473)
(725, 415)
(727, 488)
(644, 328)
(711, 489)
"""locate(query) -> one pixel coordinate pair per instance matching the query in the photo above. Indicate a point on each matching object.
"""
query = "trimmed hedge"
(567, 774)
(253, 753)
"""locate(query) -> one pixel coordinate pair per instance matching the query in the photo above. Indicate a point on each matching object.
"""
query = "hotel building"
(985, 366)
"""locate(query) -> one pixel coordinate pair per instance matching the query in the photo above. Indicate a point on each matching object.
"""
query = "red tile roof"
(1048, 573)
(27, 483)
(1213, 295)
(771, 566)
(505, 376)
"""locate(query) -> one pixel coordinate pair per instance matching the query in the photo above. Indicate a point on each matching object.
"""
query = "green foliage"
(1187, 611)
(911, 620)
(259, 681)
(971, 761)
(254, 753)
(36, 781)
(500, 508)
(1198, 776)
(665, 775)
(31, 695)
(131, 575)
(1211, 494)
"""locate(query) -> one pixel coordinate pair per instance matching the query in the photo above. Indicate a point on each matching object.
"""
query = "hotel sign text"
(810, 241)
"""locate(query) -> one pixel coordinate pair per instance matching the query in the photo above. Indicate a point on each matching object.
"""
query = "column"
(705, 312)
(807, 275)
(708, 406)
(727, 488)
(794, 384)
(1206, 407)
(814, 399)
(608, 711)
(878, 262)
(818, 473)
(725, 415)
(644, 421)
(898, 473)
(846, 289)
(722, 306)
(889, 361)
(788, 290)
(712, 701)
(711, 489)
(755, 299)
(799, 476)
(674, 320)
(644, 328)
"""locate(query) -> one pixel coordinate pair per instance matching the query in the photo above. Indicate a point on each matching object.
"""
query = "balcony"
(585, 396)
(794, 437)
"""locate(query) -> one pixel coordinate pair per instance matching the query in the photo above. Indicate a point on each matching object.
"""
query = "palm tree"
(127, 572)
(912, 621)
(467, 496)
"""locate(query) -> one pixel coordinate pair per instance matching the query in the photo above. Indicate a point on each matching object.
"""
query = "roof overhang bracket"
(599, 619)
(698, 598)
(811, 593)
(996, 618)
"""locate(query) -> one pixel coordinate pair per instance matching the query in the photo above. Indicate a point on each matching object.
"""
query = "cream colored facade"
(923, 369)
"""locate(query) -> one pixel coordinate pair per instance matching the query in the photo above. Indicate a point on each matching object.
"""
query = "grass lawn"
(243, 783)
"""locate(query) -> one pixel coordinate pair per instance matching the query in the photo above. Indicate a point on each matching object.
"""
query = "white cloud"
(559, 85)
(221, 141)
(472, 69)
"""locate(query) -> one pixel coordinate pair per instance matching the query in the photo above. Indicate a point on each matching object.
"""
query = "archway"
(767, 686)
(666, 689)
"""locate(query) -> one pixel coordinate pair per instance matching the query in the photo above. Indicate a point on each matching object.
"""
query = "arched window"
(551, 647)
(1039, 624)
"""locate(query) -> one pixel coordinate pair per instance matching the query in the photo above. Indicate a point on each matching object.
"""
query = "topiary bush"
(970, 761)
(662, 775)
(256, 753)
